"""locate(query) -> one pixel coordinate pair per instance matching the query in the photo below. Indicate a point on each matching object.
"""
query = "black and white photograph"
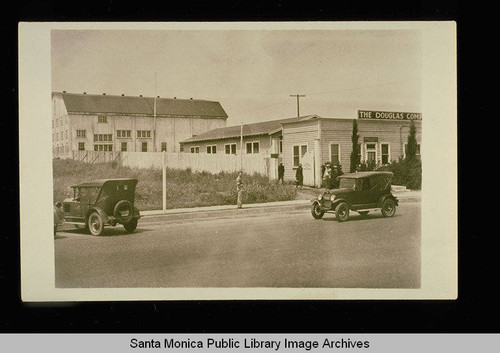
(205, 161)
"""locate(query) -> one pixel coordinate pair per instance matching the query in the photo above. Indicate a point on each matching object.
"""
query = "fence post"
(164, 182)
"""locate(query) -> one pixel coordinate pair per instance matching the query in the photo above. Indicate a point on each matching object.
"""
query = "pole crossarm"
(298, 96)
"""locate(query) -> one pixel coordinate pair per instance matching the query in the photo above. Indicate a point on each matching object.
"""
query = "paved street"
(264, 247)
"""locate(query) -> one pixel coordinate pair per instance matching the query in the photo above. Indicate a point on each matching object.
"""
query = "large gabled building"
(89, 122)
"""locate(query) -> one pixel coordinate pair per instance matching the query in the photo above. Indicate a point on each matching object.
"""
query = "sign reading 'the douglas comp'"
(369, 114)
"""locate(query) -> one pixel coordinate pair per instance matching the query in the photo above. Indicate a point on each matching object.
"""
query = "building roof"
(128, 105)
(254, 129)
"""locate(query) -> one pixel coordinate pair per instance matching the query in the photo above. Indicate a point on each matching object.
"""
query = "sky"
(252, 73)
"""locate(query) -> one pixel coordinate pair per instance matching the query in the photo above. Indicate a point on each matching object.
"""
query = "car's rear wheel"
(130, 226)
(95, 224)
(342, 212)
(388, 208)
(316, 211)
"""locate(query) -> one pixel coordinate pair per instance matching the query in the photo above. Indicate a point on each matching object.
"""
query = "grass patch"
(184, 187)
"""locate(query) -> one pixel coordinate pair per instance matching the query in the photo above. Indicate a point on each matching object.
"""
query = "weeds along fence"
(197, 162)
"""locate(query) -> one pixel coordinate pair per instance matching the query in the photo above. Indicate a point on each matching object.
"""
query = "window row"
(60, 135)
(119, 134)
(230, 148)
(109, 147)
(60, 149)
(59, 122)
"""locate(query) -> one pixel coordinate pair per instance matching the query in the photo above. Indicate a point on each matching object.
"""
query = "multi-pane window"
(211, 149)
(164, 147)
(335, 153)
(252, 147)
(384, 151)
(298, 153)
(371, 152)
(195, 149)
(144, 147)
(102, 119)
(124, 146)
(102, 147)
(230, 148)
(81, 133)
(123, 133)
(103, 137)
(143, 133)
(81, 146)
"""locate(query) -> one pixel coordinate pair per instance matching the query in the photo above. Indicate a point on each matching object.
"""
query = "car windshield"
(347, 183)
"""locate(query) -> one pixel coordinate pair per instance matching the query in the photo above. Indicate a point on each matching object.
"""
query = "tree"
(411, 150)
(355, 147)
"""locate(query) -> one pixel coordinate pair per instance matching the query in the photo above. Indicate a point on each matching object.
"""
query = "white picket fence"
(197, 162)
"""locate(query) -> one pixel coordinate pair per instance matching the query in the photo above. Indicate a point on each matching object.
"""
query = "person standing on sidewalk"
(299, 177)
(239, 188)
(281, 173)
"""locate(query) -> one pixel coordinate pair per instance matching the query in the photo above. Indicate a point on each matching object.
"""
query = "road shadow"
(107, 232)
(329, 217)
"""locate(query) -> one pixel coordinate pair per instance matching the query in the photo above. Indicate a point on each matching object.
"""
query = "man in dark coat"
(281, 173)
(299, 176)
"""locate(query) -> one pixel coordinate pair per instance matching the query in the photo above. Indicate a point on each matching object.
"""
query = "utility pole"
(298, 96)
(241, 147)
(154, 120)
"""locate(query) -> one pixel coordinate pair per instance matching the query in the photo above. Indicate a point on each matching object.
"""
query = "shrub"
(406, 172)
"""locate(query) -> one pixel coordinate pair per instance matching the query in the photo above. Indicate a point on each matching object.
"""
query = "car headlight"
(332, 197)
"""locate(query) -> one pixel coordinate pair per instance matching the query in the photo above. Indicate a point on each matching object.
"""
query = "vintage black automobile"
(102, 202)
(361, 192)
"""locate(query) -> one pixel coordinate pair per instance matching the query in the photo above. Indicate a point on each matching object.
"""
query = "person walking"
(281, 173)
(239, 188)
(299, 177)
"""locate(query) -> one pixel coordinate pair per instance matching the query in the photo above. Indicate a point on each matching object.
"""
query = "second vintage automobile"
(361, 192)
(102, 202)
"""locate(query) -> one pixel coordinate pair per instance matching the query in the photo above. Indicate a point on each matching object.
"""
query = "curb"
(223, 208)
(303, 202)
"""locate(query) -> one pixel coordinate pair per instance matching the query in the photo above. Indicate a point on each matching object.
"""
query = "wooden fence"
(197, 162)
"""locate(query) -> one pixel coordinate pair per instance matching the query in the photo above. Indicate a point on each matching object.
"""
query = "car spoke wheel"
(316, 211)
(388, 208)
(95, 224)
(342, 212)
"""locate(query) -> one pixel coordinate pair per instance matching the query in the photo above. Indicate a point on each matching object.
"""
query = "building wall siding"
(303, 133)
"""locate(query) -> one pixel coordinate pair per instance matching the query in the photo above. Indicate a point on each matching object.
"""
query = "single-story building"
(312, 141)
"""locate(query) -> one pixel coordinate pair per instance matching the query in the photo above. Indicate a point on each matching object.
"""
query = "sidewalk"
(304, 198)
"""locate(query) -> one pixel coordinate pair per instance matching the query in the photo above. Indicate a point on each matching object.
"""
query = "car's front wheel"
(316, 211)
(388, 208)
(95, 224)
(131, 225)
(342, 212)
